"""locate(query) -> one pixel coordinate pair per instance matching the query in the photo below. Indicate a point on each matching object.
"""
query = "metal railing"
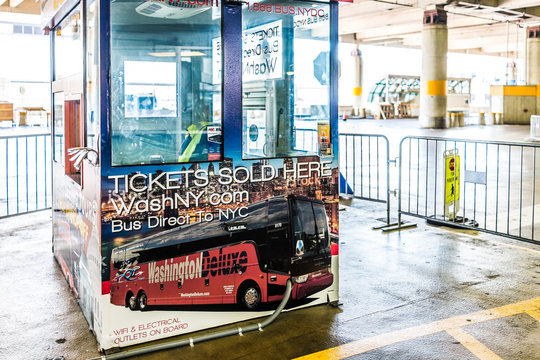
(495, 185)
(364, 164)
(305, 139)
(25, 168)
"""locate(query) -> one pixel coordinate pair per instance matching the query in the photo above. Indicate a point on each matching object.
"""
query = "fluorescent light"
(162, 54)
(192, 53)
(186, 53)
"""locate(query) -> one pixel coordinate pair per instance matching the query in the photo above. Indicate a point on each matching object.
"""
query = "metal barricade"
(25, 183)
(364, 164)
(490, 185)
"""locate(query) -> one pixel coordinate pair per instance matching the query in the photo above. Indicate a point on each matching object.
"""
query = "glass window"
(278, 243)
(149, 89)
(322, 224)
(68, 46)
(58, 116)
(92, 74)
(304, 224)
(285, 77)
(165, 82)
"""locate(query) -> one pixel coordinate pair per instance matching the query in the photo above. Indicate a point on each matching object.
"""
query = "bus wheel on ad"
(131, 301)
(142, 300)
(249, 295)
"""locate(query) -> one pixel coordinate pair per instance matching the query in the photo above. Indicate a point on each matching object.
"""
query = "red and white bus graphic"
(280, 238)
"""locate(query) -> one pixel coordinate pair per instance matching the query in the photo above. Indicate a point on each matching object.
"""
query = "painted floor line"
(375, 342)
(474, 346)
(476, 237)
(534, 313)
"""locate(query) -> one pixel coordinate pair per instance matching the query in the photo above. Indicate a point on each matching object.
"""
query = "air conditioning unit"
(169, 9)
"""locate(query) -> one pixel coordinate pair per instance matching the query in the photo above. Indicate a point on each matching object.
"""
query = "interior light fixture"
(163, 54)
(184, 53)
(191, 53)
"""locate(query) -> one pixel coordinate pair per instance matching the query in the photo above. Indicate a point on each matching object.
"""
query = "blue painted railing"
(25, 173)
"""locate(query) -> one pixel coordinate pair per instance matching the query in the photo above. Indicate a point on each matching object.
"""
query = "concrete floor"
(393, 288)
(418, 294)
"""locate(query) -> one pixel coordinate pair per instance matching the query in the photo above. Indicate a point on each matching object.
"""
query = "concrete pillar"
(533, 55)
(357, 90)
(533, 61)
(433, 80)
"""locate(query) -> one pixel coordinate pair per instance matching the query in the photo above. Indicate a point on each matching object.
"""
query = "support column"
(357, 90)
(433, 80)
(533, 61)
(533, 55)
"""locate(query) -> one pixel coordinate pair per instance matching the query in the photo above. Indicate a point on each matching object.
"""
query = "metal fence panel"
(498, 188)
(25, 162)
(364, 163)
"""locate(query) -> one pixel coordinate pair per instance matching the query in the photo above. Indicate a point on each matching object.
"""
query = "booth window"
(68, 46)
(92, 73)
(285, 79)
(67, 87)
(165, 82)
(58, 116)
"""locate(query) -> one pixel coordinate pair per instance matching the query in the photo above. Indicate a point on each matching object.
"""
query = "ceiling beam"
(15, 3)
(515, 4)
(24, 7)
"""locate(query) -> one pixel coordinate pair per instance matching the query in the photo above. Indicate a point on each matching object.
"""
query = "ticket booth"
(195, 160)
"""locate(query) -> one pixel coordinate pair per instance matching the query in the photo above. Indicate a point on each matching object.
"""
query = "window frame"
(109, 104)
(331, 87)
(231, 98)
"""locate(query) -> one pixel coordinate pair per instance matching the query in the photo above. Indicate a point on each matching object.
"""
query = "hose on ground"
(212, 336)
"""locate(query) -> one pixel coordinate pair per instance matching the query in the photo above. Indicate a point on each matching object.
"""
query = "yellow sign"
(325, 146)
(451, 179)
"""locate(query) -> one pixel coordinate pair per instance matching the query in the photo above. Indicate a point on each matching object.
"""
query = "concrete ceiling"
(490, 27)
(20, 6)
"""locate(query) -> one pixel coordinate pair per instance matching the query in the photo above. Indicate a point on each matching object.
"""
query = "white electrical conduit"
(212, 336)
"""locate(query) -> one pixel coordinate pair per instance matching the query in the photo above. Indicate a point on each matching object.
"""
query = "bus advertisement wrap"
(216, 237)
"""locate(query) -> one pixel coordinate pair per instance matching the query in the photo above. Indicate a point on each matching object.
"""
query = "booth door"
(74, 134)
